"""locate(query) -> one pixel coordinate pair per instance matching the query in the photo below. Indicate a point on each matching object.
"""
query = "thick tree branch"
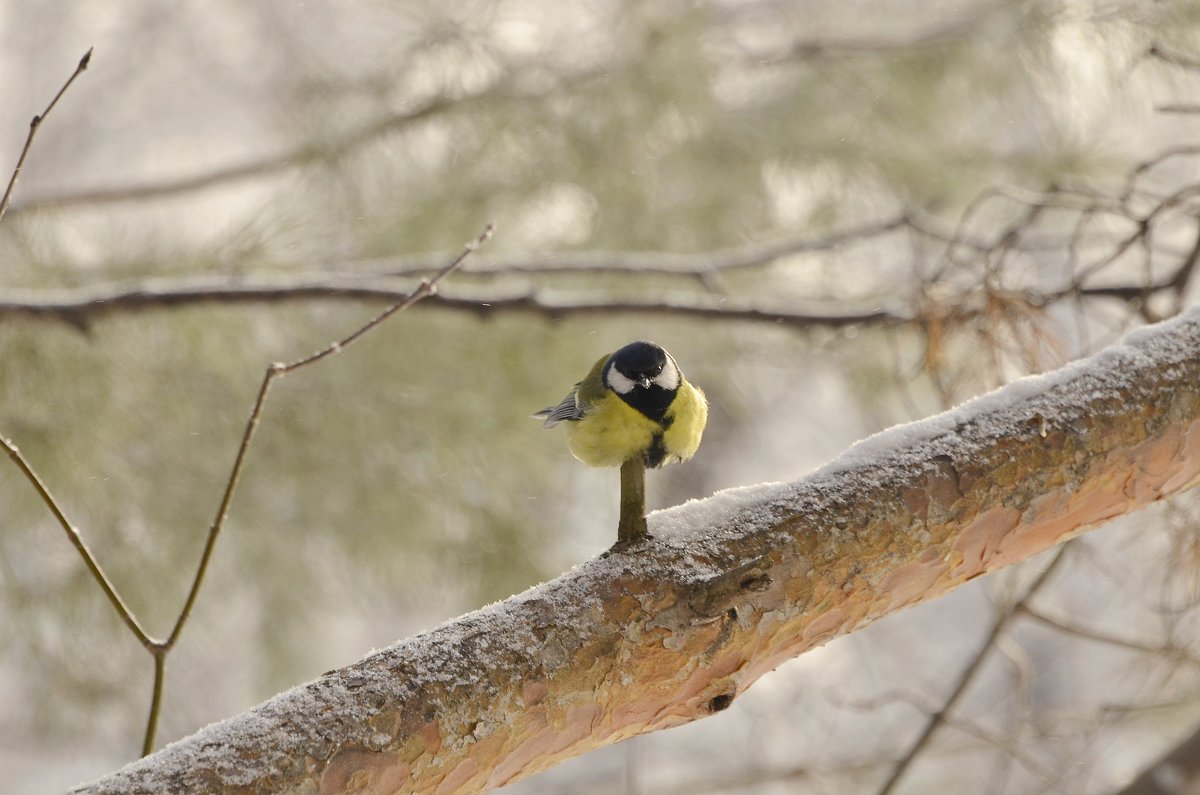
(675, 628)
(375, 281)
(80, 308)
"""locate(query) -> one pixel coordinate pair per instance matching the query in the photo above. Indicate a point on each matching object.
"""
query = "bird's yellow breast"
(612, 432)
(688, 413)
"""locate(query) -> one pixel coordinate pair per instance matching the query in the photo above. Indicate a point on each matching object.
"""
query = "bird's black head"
(645, 376)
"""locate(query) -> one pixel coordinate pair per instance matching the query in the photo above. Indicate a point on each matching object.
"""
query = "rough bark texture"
(672, 629)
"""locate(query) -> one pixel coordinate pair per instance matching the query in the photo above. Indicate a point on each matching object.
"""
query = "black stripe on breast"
(657, 453)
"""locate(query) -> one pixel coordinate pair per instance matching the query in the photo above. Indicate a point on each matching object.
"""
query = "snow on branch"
(675, 628)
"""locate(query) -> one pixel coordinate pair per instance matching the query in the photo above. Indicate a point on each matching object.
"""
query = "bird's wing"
(580, 400)
(569, 409)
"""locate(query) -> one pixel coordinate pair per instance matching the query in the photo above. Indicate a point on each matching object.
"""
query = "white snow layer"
(1036, 398)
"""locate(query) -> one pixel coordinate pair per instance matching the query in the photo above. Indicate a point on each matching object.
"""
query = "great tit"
(634, 402)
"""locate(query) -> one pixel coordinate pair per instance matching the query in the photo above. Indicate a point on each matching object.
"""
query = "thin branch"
(1186, 62)
(653, 262)
(305, 154)
(1187, 150)
(156, 695)
(1177, 283)
(223, 510)
(635, 263)
(34, 126)
(248, 169)
(77, 541)
(299, 155)
(940, 36)
(1099, 636)
(937, 719)
(656, 263)
(1180, 107)
(426, 288)
(1182, 277)
(1002, 744)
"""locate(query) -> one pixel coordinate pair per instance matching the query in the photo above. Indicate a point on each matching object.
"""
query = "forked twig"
(34, 126)
(426, 288)
(159, 649)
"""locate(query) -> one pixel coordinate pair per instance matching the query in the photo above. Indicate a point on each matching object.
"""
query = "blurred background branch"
(876, 209)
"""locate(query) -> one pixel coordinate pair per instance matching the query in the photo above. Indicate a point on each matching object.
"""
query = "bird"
(633, 403)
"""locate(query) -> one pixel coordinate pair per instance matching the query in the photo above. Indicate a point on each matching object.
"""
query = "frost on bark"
(675, 628)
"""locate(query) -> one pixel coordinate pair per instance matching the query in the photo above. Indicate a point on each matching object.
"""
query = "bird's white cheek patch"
(668, 379)
(619, 382)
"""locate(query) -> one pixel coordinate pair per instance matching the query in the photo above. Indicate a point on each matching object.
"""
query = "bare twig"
(1182, 277)
(248, 169)
(1177, 283)
(1178, 107)
(940, 36)
(1009, 747)
(968, 674)
(297, 156)
(34, 126)
(426, 288)
(660, 263)
(1185, 150)
(1067, 627)
(636, 263)
(1174, 58)
(77, 541)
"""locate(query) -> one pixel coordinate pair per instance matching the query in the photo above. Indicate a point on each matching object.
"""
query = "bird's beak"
(644, 382)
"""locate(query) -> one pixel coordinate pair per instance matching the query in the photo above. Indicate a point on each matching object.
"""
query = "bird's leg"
(633, 501)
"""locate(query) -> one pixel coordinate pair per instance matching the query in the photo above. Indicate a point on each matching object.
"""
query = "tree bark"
(674, 628)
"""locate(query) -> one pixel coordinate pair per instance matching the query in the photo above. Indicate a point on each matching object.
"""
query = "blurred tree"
(239, 146)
